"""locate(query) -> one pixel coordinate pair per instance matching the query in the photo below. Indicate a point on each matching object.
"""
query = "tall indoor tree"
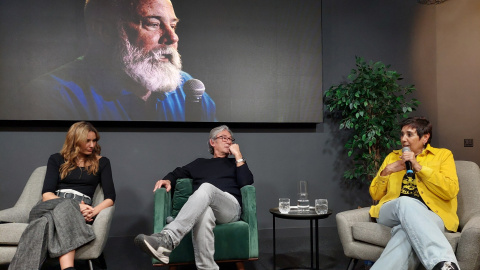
(370, 105)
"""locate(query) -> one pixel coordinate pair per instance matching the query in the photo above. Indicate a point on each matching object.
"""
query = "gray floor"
(293, 252)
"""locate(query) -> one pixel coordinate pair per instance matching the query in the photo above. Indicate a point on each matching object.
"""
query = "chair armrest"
(249, 204)
(249, 215)
(468, 248)
(162, 209)
(345, 221)
(15, 214)
(101, 228)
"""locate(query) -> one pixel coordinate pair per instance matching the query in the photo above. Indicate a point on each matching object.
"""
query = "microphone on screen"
(408, 164)
(194, 90)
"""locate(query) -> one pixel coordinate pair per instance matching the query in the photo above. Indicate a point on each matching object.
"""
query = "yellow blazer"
(437, 183)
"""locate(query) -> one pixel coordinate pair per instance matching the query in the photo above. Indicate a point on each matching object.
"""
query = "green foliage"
(371, 105)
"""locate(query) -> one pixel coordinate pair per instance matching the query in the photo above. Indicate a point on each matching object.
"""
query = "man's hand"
(165, 183)
(235, 151)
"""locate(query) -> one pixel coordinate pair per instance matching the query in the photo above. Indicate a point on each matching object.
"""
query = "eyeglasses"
(226, 139)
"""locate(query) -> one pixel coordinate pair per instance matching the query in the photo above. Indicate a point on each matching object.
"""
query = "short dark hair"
(420, 124)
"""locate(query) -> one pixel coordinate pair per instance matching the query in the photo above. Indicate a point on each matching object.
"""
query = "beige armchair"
(363, 239)
(17, 218)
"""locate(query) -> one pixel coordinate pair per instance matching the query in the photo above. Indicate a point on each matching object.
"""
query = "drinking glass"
(321, 206)
(284, 205)
(303, 202)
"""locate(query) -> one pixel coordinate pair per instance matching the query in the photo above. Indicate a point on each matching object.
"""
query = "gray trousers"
(207, 206)
(55, 226)
(417, 236)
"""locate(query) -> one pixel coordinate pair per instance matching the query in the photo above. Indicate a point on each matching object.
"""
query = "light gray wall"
(278, 155)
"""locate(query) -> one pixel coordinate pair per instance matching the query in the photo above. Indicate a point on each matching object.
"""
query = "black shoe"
(157, 245)
(445, 266)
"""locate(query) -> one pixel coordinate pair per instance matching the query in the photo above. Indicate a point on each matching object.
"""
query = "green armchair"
(234, 242)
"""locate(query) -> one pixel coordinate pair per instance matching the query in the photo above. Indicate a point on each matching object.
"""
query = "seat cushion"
(231, 243)
(453, 239)
(371, 232)
(11, 233)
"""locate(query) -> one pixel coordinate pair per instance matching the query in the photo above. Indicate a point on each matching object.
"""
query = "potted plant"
(370, 105)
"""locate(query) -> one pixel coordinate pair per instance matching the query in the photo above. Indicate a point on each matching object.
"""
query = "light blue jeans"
(417, 236)
(207, 206)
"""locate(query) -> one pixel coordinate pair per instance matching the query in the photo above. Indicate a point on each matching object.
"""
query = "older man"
(131, 71)
(216, 199)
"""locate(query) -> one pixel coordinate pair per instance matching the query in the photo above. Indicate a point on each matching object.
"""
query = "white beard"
(148, 69)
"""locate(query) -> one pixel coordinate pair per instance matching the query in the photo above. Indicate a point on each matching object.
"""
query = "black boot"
(445, 266)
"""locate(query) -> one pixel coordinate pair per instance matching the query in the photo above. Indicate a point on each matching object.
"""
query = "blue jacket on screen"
(84, 91)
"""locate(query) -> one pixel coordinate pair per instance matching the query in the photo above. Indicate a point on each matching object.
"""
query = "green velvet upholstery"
(233, 241)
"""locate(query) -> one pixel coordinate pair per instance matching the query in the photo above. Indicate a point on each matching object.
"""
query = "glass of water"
(321, 206)
(284, 205)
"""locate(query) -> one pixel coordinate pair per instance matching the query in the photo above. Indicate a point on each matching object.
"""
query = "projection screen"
(259, 61)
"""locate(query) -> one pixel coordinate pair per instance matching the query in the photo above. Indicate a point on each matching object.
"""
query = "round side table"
(294, 213)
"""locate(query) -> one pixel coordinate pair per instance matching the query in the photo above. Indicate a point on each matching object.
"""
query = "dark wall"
(278, 155)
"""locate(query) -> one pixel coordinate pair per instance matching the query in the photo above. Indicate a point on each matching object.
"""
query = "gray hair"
(213, 135)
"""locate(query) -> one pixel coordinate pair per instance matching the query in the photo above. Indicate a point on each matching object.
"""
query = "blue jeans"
(417, 236)
(207, 206)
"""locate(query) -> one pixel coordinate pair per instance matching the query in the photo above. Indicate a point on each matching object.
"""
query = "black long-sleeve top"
(220, 172)
(79, 179)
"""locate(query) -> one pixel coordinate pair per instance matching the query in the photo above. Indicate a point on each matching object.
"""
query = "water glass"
(284, 205)
(321, 206)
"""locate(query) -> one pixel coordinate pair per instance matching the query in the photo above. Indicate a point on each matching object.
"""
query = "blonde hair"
(76, 135)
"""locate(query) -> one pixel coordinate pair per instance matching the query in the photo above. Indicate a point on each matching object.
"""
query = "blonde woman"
(60, 219)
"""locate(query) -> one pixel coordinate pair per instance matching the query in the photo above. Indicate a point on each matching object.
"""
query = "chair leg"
(90, 265)
(240, 266)
(352, 264)
(99, 262)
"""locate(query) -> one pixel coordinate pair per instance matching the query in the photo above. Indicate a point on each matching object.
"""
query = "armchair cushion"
(183, 190)
(30, 196)
(14, 232)
(372, 233)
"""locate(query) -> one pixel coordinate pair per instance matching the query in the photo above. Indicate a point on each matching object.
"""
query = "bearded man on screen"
(131, 70)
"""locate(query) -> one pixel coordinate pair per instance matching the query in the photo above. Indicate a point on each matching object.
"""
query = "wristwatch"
(240, 160)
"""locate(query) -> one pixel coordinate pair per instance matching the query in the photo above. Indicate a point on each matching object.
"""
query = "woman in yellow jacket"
(417, 193)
